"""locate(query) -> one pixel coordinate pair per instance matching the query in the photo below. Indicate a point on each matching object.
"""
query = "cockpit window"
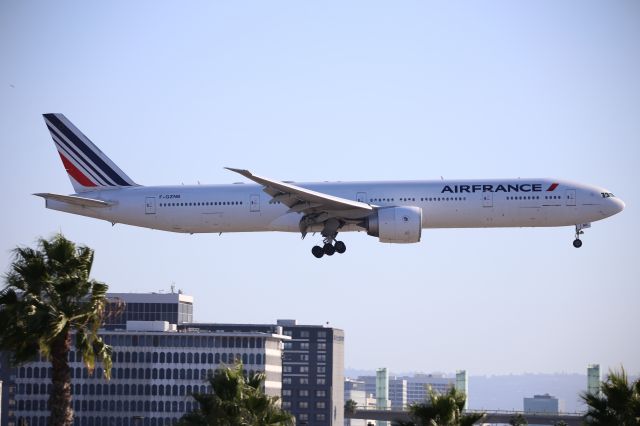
(607, 195)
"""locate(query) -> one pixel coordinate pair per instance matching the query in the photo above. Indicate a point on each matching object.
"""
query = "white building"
(355, 390)
(153, 374)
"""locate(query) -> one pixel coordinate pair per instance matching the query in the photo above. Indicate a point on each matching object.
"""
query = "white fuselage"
(444, 204)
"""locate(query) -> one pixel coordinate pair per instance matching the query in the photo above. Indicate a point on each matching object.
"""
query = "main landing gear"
(331, 245)
(577, 243)
(329, 249)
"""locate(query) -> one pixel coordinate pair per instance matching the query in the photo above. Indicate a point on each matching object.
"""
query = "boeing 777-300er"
(393, 211)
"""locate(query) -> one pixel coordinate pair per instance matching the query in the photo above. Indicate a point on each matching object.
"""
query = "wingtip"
(243, 172)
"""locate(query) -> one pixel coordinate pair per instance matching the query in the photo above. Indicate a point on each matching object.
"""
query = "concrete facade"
(313, 369)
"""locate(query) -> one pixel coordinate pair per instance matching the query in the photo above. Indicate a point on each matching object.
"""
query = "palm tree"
(47, 298)
(618, 403)
(350, 406)
(236, 400)
(442, 410)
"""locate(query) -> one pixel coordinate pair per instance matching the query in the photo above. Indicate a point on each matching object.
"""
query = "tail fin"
(88, 168)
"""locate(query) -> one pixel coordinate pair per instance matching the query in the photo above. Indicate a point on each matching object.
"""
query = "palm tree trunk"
(60, 398)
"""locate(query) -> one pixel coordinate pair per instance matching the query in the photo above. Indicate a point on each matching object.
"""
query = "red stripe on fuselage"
(552, 187)
(75, 173)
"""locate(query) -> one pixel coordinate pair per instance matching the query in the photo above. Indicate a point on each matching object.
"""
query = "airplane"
(392, 211)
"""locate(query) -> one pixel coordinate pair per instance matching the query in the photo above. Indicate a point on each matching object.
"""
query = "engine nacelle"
(396, 224)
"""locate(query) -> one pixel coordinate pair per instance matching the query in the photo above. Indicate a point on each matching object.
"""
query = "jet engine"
(396, 224)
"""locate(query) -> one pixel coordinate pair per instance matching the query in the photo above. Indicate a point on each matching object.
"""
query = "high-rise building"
(593, 379)
(313, 369)
(462, 385)
(154, 372)
(398, 394)
(406, 390)
(418, 386)
(546, 404)
(382, 393)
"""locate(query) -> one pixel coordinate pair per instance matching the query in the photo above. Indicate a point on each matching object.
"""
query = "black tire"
(340, 247)
(328, 249)
(577, 243)
(317, 251)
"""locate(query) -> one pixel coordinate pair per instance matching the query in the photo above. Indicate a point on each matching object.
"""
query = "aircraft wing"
(75, 200)
(302, 200)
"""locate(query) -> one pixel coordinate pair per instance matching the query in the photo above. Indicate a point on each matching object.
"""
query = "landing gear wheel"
(577, 243)
(328, 249)
(317, 251)
(340, 247)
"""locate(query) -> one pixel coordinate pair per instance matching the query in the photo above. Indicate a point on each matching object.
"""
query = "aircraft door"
(362, 197)
(254, 203)
(150, 205)
(571, 197)
(487, 199)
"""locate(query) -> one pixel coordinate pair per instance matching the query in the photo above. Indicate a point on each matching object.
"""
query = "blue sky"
(175, 91)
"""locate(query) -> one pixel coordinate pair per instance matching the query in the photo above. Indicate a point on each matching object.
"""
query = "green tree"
(442, 410)
(47, 298)
(350, 406)
(237, 400)
(518, 420)
(618, 402)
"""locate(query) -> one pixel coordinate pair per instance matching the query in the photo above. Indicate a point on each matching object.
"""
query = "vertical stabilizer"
(88, 168)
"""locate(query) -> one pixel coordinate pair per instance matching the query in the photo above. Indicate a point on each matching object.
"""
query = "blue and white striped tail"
(88, 168)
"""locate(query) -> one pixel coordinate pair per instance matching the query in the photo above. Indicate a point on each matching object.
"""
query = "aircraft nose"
(618, 205)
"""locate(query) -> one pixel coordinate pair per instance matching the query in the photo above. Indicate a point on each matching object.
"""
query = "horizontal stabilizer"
(75, 200)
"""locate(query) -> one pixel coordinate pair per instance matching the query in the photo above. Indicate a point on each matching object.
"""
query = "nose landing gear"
(577, 243)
